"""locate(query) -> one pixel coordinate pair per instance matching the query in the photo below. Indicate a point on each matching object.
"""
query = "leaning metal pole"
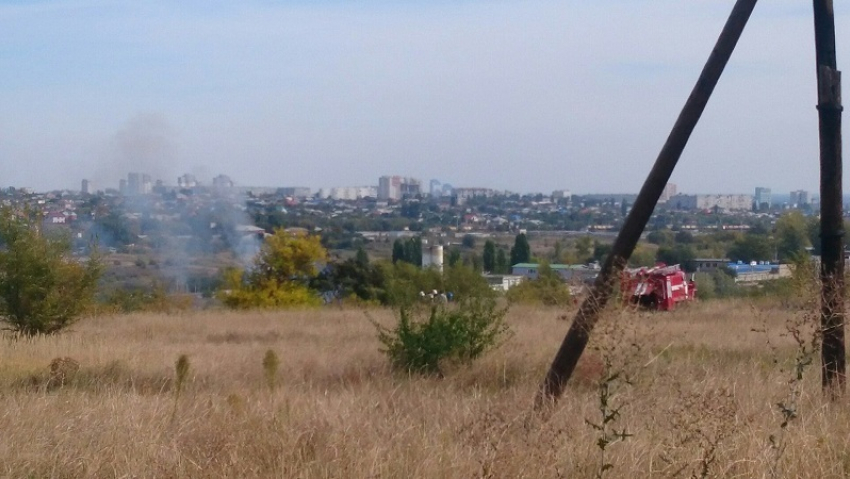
(587, 315)
(833, 364)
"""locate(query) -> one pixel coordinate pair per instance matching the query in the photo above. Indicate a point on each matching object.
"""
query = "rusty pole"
(833, 360)
(587, 315)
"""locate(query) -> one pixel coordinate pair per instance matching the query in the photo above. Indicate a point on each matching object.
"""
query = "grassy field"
(701, 400)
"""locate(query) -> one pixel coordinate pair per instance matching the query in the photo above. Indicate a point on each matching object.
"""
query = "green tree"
(663, 237)
(547, 289)
(684, 237)
(42, 289)
(751, 247)
(682, 254)
(468, 241)
(792, 236)
(502, 266)
(454, 257)
(601, 251)
(583, 246)
(642, 256)
(521, 252)
(362, 258)
(282, 271)
(489, 256)
(557, 252)
(398, 250)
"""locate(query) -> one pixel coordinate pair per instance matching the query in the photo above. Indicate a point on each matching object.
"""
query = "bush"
(455, 335)
(282, 270)
(42, 289)
(547, 289)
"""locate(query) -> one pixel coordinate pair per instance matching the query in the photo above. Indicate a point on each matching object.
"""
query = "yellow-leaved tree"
(279, 276)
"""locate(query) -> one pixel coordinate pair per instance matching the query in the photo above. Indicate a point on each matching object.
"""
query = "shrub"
(547, 289)
(422, 342)
(42, 289)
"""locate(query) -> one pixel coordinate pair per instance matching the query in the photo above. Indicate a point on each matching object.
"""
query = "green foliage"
(547, 289)
(489, 256)
(521, 252)
(717, 284)
(286, 257)
(682, 254)
(502, 266)
(601, 251)
(404, 283)
(423, 342)
(42, 289)
(282, 271)
(468, 241)
(642, 256)
(705, 286)
(155, 299)
(583, 246)
(361, 257)
(684, 237)
(792, 236)
(465, 282)
(408, 250)
(454, 257)
(663, 237)
(751, 247)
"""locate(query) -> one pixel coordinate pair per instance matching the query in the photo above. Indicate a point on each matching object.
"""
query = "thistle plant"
(181, 372)
(271, 363)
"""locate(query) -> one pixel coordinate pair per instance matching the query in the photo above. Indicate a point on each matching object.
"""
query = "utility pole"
(585, 320)
(833, 360)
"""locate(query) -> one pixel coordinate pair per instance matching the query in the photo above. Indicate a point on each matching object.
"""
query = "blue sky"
(524, 95)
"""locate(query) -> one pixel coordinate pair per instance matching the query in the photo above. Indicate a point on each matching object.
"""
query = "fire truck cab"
(660, 288)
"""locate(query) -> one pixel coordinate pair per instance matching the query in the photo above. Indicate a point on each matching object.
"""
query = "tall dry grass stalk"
(702, 403)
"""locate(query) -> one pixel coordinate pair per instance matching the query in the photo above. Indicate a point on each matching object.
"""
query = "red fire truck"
(661, 287)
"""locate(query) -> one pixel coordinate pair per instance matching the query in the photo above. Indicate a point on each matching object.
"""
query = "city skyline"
(382, 190)
(537, 95)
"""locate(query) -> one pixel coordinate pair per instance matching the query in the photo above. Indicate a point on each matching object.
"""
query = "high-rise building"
(435, 188)
(762, 198)
(799, 198)
(187, 181)
(134, 184)
(389, 188)
(670, 190)
(85, 187)
(397, 187)
(222, 181)
(560, 196)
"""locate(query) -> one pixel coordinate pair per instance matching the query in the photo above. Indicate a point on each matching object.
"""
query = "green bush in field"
(422, 342)
(42, 288)
(548, 289)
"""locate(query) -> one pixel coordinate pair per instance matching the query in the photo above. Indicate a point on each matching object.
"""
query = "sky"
(526, 95)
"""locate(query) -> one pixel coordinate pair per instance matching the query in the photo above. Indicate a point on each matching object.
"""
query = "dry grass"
(705, 387)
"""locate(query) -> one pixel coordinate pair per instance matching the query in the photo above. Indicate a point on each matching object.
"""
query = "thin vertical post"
(833, 357)
(588, 313)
